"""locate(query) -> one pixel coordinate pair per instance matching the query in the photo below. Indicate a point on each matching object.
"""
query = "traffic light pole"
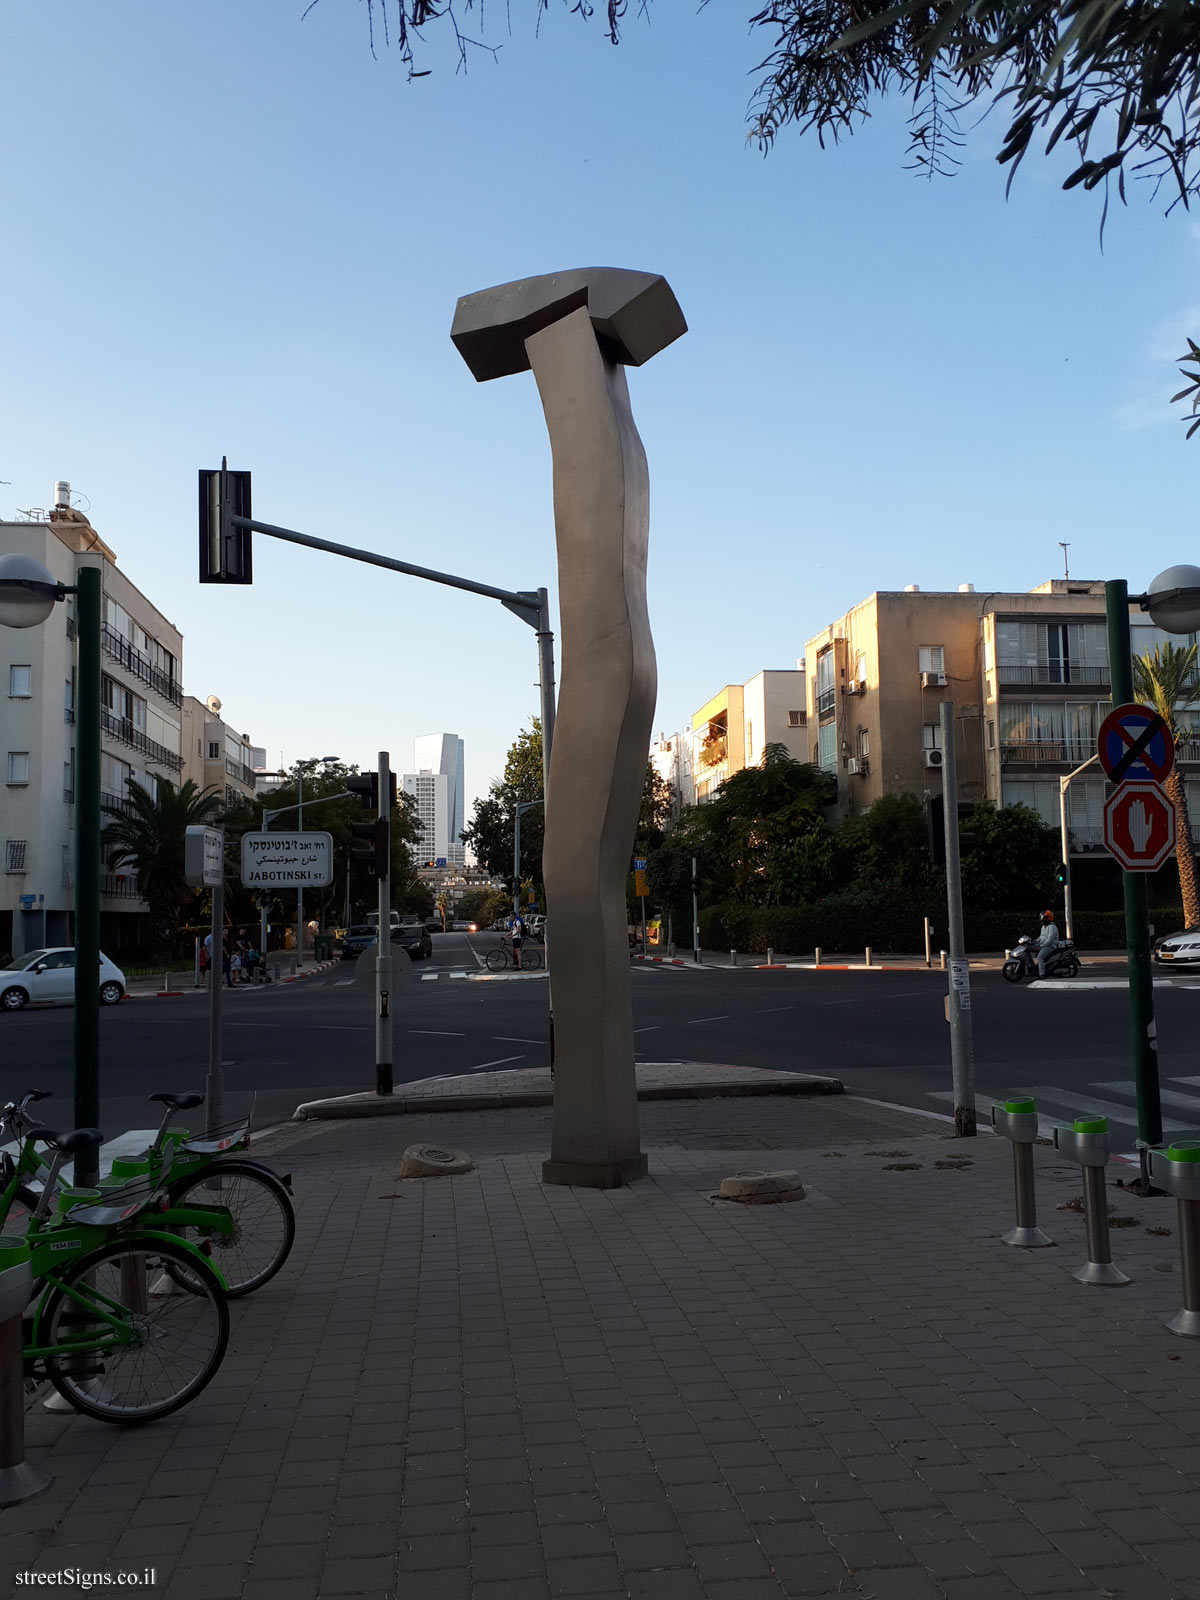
(383, 944)
(1137, 912)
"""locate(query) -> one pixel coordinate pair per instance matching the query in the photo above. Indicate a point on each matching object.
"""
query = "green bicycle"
(99, 1327)
(208, 1169)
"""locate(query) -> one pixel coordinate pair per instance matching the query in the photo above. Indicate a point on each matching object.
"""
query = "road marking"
(341, 1027)
(1184, 1102)
(651, 1028)
(340, 983)
(697, 1020)
(511, 1038)
(1111, 1108)
(1174, 1079)
(483, 1065)
(765, 1010)
(438, 1033)
(251, 1024)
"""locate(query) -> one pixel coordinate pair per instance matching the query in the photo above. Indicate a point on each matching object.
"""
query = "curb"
(500, 1100)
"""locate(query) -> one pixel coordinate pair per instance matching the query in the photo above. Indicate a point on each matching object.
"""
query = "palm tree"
(1166, 679)
(148, 834)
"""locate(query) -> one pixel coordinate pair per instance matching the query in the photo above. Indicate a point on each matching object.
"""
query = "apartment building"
(215, 756)
(671, 756)
(732, 730)
(1027, 674)
(141, 671)
(437, 786)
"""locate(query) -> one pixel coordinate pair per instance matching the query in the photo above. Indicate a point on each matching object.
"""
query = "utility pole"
(695, 914)
(958, 1001)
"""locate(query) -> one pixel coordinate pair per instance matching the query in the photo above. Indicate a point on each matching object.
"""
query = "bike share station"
(1137, 753)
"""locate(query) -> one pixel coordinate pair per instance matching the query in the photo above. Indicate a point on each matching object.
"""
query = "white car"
(1180, 948)
(47, 977)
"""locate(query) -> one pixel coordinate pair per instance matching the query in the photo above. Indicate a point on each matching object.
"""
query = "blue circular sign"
(1135, 745)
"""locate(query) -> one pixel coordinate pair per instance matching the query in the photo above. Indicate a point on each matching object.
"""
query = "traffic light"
(225, 555)
(366, 786)
(377, 850)
(1063, 876)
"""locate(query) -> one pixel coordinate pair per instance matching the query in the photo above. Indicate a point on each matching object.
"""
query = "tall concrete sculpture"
(577, 331)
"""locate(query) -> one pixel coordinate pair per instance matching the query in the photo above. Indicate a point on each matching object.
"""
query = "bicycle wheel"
(532, 959)
(497, 958)
(264, 1223)
(177, 1342)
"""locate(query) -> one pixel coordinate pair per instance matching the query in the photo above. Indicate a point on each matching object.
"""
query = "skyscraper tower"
(438, 787)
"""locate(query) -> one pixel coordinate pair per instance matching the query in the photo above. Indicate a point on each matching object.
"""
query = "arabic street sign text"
(287, 860)
(203, 856)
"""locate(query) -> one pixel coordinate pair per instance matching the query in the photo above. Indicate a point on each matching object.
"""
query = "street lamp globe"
(28, 592)
(1173, 600)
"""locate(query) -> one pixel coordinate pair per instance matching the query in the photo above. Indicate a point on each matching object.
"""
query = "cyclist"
(517, 929)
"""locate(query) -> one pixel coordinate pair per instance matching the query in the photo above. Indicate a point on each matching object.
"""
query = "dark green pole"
(87, 868)
(1137, 906)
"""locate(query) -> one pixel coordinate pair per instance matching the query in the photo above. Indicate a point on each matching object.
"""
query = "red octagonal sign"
(1139, 826)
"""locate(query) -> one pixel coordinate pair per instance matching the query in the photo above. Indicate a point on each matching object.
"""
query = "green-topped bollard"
(1177, 1170)
(1087, 1143)
(1017, 1120)
(18, 1480)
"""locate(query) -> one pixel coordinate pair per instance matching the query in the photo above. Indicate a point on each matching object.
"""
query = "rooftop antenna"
(1063, 545)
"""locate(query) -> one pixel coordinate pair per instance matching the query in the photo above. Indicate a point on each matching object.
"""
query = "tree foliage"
(1166, 678)
(490, 830)
(149, 834)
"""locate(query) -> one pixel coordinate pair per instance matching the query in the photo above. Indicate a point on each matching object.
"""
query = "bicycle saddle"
(68, 1143)
(180, 1102)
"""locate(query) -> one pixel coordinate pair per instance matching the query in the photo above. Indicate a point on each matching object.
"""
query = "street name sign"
(1135, 745)
(287, 860)
(1139, 826)
(203, 856)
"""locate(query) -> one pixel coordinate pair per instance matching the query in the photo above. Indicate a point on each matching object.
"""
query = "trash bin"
(322, 946)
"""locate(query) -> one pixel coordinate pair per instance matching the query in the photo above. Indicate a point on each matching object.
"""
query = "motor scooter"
(1021, 961)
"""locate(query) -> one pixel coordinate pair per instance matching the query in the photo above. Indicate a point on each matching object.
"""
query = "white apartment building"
(141, 671)
(438, 788)
(671, 757)
(733, 729)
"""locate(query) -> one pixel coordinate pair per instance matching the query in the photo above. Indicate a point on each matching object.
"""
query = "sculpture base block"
(595, 1174)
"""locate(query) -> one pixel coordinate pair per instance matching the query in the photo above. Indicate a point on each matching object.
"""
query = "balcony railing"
(114, 887)
(1188, 750)
(123, 729)
(113, 802)
(826, 700)
(240, 771)
(1063, 673)
(141, 666)
(1045, 752)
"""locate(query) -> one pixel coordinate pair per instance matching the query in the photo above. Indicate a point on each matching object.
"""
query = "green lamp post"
(28, 594)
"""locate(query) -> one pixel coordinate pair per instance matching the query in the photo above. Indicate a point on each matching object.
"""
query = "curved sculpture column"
(577, 331)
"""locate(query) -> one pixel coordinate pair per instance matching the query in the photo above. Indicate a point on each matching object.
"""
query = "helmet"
(1047, 916)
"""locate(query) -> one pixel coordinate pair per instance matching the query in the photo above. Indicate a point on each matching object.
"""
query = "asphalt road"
(883, 1033)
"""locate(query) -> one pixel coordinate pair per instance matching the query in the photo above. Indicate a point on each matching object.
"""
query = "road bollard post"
(1177, 1170)
(817, 956)
(868, 956)
(1086, 1142)
(770, 956)
(733, 958)
(18, 1479)
(1017, 1121)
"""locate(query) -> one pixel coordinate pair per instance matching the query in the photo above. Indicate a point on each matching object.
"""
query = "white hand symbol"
(1141, 826)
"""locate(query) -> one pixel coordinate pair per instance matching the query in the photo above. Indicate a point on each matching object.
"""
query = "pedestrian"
(225, 962)
(518, 933)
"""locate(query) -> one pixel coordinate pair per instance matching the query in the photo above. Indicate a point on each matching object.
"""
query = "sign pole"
(383, 943)
(216, 978)
(1137, 911)
(958, 1005)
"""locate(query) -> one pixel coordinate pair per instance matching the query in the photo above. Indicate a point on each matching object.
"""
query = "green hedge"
(845, 925)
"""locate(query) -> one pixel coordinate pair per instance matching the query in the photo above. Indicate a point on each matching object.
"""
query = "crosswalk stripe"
(1106, 1108)
(1184, 1102)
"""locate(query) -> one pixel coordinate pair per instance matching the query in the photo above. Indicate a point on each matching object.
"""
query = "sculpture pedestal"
(595, 1174)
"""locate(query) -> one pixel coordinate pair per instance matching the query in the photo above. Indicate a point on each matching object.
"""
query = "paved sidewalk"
(480, 1388)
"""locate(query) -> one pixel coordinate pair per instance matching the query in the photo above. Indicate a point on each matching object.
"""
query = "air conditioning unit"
(933, 680)
(856, 688)
(858, 766)
(933, 758)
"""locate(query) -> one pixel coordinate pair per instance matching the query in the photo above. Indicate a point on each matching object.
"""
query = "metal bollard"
(942, 959)
(868, 955)
(817, 956)
(733, 958)
(1087, 1143)
(1017, 1120)
(1177, 1170)
(18, 1480)
(770, 956)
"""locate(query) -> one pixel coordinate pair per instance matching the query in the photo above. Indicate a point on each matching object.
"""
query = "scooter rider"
(1047, 942)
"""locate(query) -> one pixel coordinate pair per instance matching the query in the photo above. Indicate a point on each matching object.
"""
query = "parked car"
(1178, 948)
(358, 938)
(47, 978)
(535, 927)
(412, 935)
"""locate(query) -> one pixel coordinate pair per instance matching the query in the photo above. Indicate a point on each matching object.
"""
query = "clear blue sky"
(231, 231)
